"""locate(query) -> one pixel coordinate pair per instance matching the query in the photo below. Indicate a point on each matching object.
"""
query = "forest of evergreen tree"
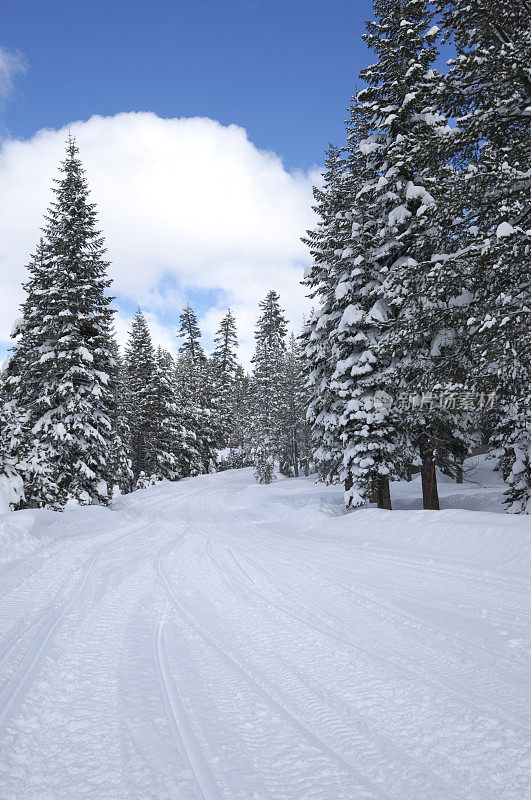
(417, 352)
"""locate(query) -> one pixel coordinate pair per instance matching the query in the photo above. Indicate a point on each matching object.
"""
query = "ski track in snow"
(215, 640)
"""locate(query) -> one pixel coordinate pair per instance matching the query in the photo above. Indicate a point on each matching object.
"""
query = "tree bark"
(430, 495)
(459, 476)
(349, 483)
(383, 494)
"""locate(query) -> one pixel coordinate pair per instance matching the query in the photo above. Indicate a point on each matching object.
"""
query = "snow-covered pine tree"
(198, 390)
(122, 469)
(365, 428)
(488, 90)
(64, 353)
(240, 414)
(141, 398)
(268, 401)
(12, 469)
(225, 363)
(293, 428)
(190, 335)
(188, 456)
(168, 427)
(325, 246)
(404, 155)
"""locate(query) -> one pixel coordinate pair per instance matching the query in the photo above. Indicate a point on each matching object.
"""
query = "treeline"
(419, 347)
(80, 421)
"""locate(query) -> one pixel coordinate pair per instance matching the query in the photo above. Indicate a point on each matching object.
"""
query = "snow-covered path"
(218, 639)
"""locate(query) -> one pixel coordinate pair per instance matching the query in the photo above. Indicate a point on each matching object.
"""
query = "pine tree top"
(190, 334)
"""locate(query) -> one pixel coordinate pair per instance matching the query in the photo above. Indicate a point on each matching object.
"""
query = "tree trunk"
(295, 457)
(349, 483)
(383, 494)
(430, 495)
(459, 476)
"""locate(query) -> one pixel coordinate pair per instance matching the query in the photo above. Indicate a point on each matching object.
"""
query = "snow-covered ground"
(219, 639)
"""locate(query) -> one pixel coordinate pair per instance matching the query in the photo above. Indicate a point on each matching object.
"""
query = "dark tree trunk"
(430, 495)
(383, 494)
(459, 476)
(349, 483)
(295, 457)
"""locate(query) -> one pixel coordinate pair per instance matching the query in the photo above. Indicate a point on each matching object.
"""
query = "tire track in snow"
(32, 658)
(244, 673)
(400, 665)
(179, 723)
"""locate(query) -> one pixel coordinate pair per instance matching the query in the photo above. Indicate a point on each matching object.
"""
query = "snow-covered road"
(218, 639)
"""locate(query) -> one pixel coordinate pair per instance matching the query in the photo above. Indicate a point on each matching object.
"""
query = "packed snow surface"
(218, 639)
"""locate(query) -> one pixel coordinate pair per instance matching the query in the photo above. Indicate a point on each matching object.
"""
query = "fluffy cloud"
(188, 207)
(12, 63)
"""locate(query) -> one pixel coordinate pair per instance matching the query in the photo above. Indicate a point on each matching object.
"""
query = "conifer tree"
(141, 398)
(12, 468)
(268, 359)
(325, 247)
(198, 390)
(122, 468)
(189, 415)
(225, 364)
(240, 415)
(295, 439)
(64, 351)
(168, 427)
(191, 335)
(403, 150)
(488, 90)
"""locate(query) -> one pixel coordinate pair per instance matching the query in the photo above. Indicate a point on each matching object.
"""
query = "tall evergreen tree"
(198, 390)
(122, 468)
(225, 364)
(268, 360)
(325, 247)
(141, 399)
(240, 415)
(403, 150)
(293, 424)
(367, 429)
(191, 335)
(169, 428)
(488, 90)
(64, 351)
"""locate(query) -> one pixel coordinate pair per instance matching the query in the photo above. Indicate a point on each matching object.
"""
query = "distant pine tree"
(190, 334)
(122, 469)
(225, 365)
(169, 433)
(293, 424)
(267, 400)
(62, 409)
(198, 392)
(141, 399)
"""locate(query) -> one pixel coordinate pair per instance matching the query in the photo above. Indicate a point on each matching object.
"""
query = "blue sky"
(282, 69)
(202, 126)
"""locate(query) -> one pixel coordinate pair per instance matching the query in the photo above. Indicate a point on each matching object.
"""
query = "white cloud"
(185, 205)
(12, 63)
